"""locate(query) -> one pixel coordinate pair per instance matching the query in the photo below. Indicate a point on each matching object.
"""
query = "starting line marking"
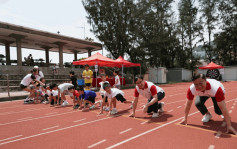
(97, 143)
(179, 107)
(144, 122)
(125, 131)
(51, 113)
(211, 147)
(10, 138)
(170, 110)
(79, 120)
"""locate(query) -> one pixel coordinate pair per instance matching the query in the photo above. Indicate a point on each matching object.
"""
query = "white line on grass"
(10, 138)
(40, 134)
(125, 130)
(153, 129)
(79, 120)
(50, 127)
(96, 143)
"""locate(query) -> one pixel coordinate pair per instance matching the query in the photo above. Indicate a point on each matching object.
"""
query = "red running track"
(40, 126)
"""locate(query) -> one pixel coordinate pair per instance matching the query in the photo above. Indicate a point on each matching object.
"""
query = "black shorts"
(23, 86)
(88, 84)
(91, 99)
(106, 98)
(120, 97)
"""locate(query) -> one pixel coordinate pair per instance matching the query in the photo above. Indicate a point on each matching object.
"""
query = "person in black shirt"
(73, 78)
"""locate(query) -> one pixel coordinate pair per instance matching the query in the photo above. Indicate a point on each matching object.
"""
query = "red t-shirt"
(153, 90)
(213, 89)
(75, 93)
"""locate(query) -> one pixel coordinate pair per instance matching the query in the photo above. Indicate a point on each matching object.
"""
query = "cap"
(36, 67)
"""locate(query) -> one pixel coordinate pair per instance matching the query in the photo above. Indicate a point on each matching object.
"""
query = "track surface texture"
(41, 126)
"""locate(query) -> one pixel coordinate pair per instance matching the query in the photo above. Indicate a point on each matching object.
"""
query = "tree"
(226, 41)
(190, 29)
(210, 18)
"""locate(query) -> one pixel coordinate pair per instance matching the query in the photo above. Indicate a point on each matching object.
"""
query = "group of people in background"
(83, 97)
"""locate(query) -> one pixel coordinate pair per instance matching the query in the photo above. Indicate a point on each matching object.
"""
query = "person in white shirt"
(39, 74)
(117, 79)
(203, 89)
(62, 90)
(153, 93)
(114, 94)
(105, 103)
(29, 79)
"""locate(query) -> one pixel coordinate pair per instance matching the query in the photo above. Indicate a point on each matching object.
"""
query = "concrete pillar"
(46, 54)
(75, 55)
(7, 50)
(18, 47)
(60, 48)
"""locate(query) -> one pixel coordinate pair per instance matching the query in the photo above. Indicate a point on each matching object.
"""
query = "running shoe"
(92, 107)
(155, 115)
(114, 111)
(162, 107)
(206, 117)
(65, 103)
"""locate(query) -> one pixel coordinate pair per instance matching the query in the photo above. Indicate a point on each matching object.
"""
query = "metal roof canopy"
(39, 40)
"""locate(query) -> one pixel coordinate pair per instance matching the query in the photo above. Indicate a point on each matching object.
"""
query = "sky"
(68, 17)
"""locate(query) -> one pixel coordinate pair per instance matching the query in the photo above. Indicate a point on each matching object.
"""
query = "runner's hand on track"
(132, 115)
(145, 108)
(184, 122)
(231, 129)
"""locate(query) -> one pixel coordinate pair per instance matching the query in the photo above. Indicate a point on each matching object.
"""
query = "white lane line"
(125, 130)
(230, 111)
(79, 120)
(10, 107)
(179, 107)
(40, 134)
(36, 118)
(144, 122)
(97, 143)
(25, 118)
(174, 102)
(16, 112)
(223, 124)
(10, 138)
(211, 147)
(51, 113)
(218, 134)
(50, 128)
(156, 128)
(170, 110)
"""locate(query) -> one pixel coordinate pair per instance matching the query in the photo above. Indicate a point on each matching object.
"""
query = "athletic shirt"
(28, 79)
(76, 94)
(64, 86)
(101, 86)
(87, 94)
(213, 89)
(88, 73)
(117, 78)
(41, 75)
(149, 90)
(114, 92)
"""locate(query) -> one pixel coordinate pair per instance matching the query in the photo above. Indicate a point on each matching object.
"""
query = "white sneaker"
(155, 115)
(65, 103)
(107, 109)
(162, 107)
(206, 117)
(92, 107)
(131, 107)
(114, 111)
